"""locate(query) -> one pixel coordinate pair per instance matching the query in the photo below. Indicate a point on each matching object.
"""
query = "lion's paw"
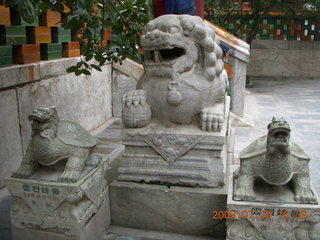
(304, 195)
(23, 171)
(212, 119)
(70, 176)
(245, 193)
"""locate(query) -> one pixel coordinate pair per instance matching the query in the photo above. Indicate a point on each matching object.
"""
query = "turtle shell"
(259, 146)
(74, 134)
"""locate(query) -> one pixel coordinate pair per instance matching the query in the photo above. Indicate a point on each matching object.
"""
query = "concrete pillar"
(238, 85)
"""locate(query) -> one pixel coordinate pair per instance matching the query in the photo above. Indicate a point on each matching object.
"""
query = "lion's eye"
(174, 29)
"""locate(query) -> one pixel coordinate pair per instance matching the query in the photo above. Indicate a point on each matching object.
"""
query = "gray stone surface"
(185, 140)
(155, 154)
(83, 99)
(129, 68)
(238, 85)
(277, 160)
(298, 100)
(121, 84)
(109, 145)
(175, 154)
(184, 80)
(176, 209)
(122, 233)
(47, 205)
(19, 74)
(55, 140)
(93, 230)
(5, 225)
(55, 68)
(13, 75)
(273, 215)
(284, 58)
(10, 147)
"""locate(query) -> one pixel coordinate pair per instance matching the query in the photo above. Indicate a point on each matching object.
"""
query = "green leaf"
(85, 71)
(89, 56)
(72, 69)
(96, 67)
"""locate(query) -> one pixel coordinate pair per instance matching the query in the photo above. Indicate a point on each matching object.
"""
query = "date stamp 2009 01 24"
(260, 214)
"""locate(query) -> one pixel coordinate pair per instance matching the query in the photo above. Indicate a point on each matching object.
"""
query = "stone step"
(122, 233)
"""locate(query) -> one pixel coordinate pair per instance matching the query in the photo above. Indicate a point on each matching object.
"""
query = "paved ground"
(298, 100)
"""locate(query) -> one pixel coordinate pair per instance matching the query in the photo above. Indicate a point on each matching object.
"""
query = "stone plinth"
(184, 210)
(48, 209)
(175, 154)
(274, 215)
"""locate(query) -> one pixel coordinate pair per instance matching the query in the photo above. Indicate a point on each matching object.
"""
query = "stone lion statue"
(277, 161)
(54, 140)
(184, 78)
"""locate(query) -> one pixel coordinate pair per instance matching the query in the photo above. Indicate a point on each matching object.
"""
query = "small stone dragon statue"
(184, 76)
(54, 140)
(277, 161)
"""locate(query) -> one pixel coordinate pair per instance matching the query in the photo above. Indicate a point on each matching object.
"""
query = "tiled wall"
(44, 39)
(280, 28)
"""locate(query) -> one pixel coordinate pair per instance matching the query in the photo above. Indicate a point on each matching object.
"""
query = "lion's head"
(278, 136)
(177, 44)
(43, 118)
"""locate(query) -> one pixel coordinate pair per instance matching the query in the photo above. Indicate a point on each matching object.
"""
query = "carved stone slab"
(54, 206)
(280, 218)
(175, 154)
(171, 146)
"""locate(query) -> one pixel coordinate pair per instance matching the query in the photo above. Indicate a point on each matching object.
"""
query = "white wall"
(275, 58)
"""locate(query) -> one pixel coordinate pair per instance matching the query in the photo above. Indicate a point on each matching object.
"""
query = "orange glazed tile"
(26, 53)
(228, 69)
(51, 19)
(106, 34)
(306, 38)
(278, 37)
(272, 31)
(39, 35)
(103, 43)
(71, 53)
(65, 8)
(4, 15)
(71, 45)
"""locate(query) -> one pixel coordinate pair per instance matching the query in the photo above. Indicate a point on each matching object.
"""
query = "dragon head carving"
(278, 136)
(178, 44)
(43, 118)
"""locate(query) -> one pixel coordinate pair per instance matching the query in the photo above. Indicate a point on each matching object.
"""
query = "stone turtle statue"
(54, 140)
(277, 161)
(184, 78)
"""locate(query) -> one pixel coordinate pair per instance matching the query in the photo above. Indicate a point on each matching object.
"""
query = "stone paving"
(298, 100)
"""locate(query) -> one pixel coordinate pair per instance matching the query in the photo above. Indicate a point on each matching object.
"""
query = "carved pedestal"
(175, 154)
(48, 209)
(274, 215)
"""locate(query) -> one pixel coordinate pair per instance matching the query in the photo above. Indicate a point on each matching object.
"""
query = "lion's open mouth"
(38, 122)
(279, 138)
(165, 54)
